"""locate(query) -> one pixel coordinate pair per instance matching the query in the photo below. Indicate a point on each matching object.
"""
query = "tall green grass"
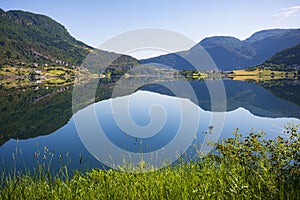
(241, 168)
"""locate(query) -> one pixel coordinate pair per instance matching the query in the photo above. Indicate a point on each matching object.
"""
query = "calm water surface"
(46, 127)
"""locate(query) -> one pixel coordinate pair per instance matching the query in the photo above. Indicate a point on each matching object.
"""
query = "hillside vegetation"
(288, 59)
(32, 38)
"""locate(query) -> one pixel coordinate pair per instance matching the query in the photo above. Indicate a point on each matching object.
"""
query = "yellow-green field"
(259, 75)
(49, 76)
(56, 81)
(12, 83)
(258, 72)
(55, 72)
(49, 71)
(199, 75)
(11, 71)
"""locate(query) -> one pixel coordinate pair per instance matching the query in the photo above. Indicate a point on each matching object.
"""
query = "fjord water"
(46, 130)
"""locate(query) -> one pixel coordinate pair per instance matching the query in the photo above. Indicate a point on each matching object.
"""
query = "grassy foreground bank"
(242, 168)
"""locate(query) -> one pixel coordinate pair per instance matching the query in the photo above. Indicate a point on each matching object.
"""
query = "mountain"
(284, 60)
(173, 60)
(28, 38)
(230, 53)
(267, 43)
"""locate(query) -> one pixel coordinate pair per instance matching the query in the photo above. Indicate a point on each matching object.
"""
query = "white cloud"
(288, 12)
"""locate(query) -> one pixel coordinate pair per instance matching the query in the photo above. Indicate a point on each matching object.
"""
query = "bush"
(281, 156)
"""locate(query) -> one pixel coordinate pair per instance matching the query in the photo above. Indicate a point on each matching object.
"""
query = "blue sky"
(94, 21)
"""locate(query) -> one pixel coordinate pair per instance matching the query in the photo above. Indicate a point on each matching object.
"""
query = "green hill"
(32, 38)
(29, 39)
(285, 60)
